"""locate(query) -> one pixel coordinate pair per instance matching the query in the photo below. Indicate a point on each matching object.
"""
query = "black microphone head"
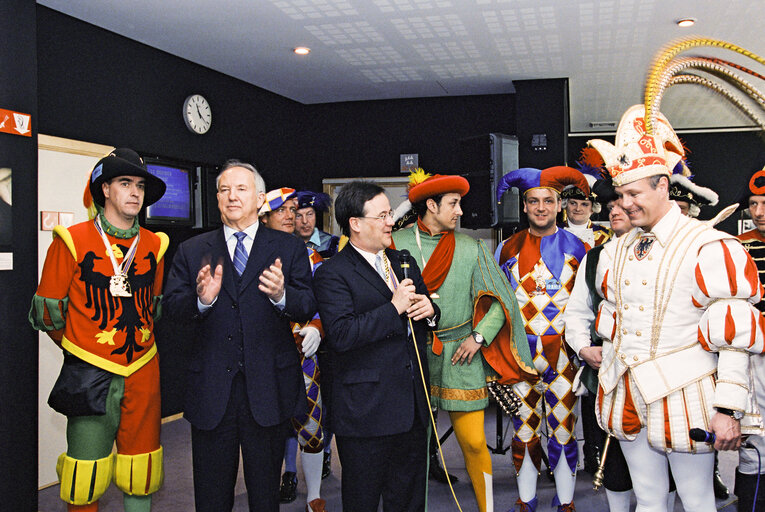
(404, 257)
(701, 436)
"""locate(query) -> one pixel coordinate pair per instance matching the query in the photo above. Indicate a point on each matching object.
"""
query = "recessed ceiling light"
(686, 22)
(302, 50)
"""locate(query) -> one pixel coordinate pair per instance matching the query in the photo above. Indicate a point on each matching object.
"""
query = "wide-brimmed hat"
(682, 188)
(603, 191)
(124, 162)
(423, 185)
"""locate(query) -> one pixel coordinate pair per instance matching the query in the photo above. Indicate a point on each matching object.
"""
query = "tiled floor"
(177, 493)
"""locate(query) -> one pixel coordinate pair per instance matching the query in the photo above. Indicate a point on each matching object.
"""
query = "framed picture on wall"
(395, 189)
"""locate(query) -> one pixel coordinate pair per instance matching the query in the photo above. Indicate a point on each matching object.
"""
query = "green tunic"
(473, 273)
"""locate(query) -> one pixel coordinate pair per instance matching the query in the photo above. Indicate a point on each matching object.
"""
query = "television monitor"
(176, 207)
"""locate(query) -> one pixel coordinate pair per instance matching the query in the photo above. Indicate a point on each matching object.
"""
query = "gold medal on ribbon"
(119, 286)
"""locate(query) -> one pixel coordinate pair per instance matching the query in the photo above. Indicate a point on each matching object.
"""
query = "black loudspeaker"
(487, 158)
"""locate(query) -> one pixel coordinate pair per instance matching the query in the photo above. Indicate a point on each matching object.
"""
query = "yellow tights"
(469, 429)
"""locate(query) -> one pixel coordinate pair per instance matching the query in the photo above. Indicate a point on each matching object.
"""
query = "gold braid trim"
(465, 395)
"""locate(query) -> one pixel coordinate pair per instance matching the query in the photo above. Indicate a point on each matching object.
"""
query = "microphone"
(701, 436)
(404, 258)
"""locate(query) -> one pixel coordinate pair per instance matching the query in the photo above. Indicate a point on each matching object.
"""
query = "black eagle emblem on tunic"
(134, 312)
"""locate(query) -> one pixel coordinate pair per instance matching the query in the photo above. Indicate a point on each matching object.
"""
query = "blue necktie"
(240, 253)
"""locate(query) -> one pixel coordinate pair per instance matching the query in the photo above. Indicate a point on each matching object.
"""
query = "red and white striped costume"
(679, 323)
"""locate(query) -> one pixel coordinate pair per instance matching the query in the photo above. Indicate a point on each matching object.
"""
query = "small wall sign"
(15, 123)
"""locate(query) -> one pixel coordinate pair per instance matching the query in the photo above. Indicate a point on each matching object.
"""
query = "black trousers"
(745, 488)
(389, 467)
(215, 457)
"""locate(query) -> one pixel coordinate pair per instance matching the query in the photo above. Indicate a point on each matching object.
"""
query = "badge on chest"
(643, 246)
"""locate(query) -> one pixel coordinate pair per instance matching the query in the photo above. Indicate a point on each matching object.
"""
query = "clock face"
(197, 114)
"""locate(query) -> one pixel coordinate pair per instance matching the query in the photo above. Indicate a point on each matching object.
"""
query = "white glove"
(311, 340)
(578, 387)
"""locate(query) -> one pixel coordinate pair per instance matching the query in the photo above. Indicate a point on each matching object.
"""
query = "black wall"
(18, 342)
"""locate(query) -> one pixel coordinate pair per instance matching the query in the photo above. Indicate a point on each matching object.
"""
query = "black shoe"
(721, 490)
(288, 489)
(326, 468)
(437, 473)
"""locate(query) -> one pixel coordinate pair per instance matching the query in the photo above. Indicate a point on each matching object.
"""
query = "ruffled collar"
(119, 233)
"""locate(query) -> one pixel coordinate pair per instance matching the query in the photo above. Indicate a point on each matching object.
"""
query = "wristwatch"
(736, 415)
(478, 338)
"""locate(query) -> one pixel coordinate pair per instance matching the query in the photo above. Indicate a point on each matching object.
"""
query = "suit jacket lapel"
(365, 270)
(259, 256)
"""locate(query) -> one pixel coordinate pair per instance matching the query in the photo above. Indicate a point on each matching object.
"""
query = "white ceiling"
(382, 49)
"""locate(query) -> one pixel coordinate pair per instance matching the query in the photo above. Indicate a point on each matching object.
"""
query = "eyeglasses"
(383, 216)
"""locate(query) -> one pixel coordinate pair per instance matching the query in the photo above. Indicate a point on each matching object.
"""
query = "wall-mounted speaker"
(485, 159)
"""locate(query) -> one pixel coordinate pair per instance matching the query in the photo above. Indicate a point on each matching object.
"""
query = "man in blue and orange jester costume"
(478, 310)
(278, 212)
(541, 263)
(98, 299)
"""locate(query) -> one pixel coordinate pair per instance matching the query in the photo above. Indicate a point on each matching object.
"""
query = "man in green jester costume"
(478, 309)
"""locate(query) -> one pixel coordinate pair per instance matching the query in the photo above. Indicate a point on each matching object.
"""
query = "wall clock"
(197, 114)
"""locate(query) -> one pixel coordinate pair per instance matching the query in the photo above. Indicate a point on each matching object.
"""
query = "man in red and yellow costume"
(98, 299)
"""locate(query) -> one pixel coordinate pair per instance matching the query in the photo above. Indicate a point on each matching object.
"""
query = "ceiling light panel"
(447, 50)
(373, 56)
(359, 32)
(382, 75)
(389, 6)
(429, 27)
(315, 9)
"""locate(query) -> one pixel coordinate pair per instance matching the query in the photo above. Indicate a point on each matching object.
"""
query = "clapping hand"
(272, 281)
(209, 282)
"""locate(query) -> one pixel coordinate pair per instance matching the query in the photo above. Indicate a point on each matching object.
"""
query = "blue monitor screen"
(175, 207)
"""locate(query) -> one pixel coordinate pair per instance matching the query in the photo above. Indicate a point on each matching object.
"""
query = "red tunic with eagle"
(113, 333)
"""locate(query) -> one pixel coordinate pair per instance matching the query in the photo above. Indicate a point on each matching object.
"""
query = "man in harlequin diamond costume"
(678, 323)
(98, 299)
(278, 212)
(541, 263)
(477, 310)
